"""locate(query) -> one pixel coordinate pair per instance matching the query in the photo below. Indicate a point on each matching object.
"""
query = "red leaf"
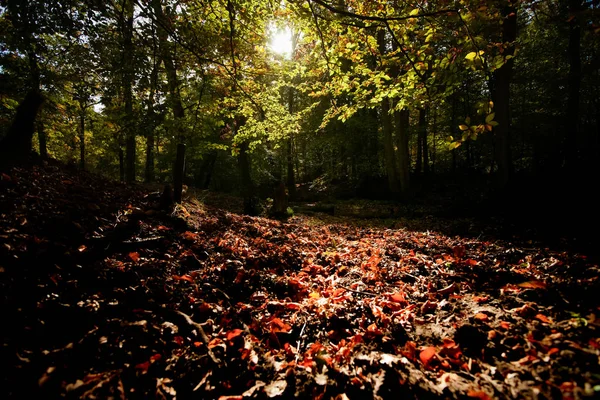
(427, 354)
(143, 366)
(135, 256)
(459, 251)
(155, 357)
(234, 333)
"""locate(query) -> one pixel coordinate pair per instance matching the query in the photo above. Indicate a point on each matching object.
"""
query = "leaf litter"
(106, 296)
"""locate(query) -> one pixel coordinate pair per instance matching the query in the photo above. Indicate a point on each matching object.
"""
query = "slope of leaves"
(104, 295)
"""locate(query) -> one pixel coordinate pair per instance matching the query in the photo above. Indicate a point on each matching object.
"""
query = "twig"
(201, 333)
(358, 291)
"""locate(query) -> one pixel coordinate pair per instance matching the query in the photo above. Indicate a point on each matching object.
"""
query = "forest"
(330, 199)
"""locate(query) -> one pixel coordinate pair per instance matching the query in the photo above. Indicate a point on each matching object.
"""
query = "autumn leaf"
(481, 317)
(277, 325)
(234, 333)
(134, 256)
(478, 394)
(532, 285)
(543, 318)
(398, 297)
(427, 355)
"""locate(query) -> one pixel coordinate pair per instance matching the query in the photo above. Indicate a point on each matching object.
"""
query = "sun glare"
(281, 42)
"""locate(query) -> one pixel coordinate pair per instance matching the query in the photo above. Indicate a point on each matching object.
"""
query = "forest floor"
(104, 296)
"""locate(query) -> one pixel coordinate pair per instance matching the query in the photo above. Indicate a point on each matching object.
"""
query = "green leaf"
(414, 12)
(493, 123)
(454, 145)
(463, 127)
(490, 118)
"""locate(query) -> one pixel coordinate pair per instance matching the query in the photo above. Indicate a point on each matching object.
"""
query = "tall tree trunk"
(402, 155)
(291, 176)
(121, 164)
(501, 95)
(175, 96)
(128, 92)
(248, 190)
(423, 130)
(82, 139)
(42, 140)
(572, 128)
(151, 126)
(422, 157)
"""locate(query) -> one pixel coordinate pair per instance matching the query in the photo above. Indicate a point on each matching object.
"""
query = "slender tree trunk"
(128, 78)
(291, 176)
(422, 156)
(402, 155)
(175, 96)
(572, 130)
(388, 138)
(423, 125)
(149, 173)
(42, 140)
(121, 164)
(248, 191)
(501, 95)
(82, 139)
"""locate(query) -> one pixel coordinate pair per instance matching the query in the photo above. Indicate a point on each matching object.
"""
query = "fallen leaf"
(532, 285)
(275, 388)
(478, 394)
(134, 256)
(543, 318)
(234, 333)
(481, 317)
(427, 354)
(398, 297)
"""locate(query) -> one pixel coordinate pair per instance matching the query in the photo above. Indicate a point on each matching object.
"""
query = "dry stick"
(201, 332)
(358, 291)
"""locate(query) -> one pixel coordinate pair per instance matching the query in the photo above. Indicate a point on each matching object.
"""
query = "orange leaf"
(135, 256)
(234, 333)
(543, 318)
(532, 285)
(427, 354)
(505, 325)
(478, 394)
(481, 317)
(398, 297)
(183, 278)
(278, 325)
(314, 295)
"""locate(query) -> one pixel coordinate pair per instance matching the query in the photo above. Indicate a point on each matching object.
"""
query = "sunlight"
(281, 42)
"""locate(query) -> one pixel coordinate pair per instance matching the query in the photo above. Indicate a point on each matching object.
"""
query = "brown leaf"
(478, 394)
(134, 256)
(234, 333)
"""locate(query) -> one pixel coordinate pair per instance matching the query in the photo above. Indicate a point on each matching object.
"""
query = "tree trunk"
(179, 173)
(82, 139)
(17, 144)
(121, 164)
(175, 96)
(572, 128)
(386, 122)
(248, 191)
(128, 92)
(402, 155)
(501, 96)
(42, 140)
(149, 173)
(422, 156)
